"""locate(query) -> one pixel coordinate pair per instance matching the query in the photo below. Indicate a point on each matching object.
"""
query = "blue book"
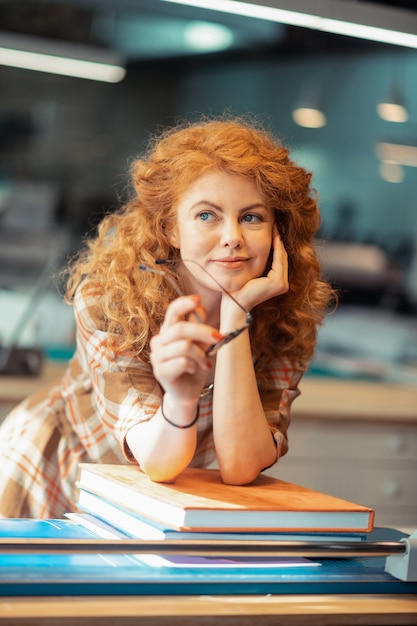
(50, 564)
(26, 574)
(43, 528)
(71, 529)
(107, 520)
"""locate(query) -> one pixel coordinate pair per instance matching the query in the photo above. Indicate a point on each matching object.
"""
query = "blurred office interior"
(66, 144)
(345, 105)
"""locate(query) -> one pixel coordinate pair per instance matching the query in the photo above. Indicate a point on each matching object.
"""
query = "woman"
(196, 309)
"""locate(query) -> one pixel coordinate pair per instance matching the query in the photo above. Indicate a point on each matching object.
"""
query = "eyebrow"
(255, 205)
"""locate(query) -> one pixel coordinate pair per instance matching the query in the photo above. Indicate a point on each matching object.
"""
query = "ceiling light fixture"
(58, 58)
(308, 112)
(207, 37)
(402, 154)
(340, 17)
(392, 108)
(391, 172)
(309, 117)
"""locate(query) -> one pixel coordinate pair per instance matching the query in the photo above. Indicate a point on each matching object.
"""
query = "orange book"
(199, 501)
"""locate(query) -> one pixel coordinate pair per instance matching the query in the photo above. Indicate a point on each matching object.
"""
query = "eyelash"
(258, 218)
(206, 213)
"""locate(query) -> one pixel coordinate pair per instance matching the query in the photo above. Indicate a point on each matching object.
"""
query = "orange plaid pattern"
(85, 418)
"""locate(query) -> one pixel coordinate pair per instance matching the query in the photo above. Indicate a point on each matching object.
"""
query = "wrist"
(181, 417)
(231, 316)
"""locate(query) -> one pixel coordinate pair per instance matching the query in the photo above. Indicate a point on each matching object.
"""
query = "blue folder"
(24, 574)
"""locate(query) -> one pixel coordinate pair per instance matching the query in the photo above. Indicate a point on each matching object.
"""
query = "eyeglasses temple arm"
(248, 314)
(169, 278)
(173, 284)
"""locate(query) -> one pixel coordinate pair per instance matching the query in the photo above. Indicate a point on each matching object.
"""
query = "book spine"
(136, 527)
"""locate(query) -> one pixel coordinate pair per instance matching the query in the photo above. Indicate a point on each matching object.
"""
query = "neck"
(210, 299)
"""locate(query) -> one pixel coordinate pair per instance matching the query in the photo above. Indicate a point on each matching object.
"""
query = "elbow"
(244, 472)
(157, 477)
(239, 476)
(238, 481)
(159, 474)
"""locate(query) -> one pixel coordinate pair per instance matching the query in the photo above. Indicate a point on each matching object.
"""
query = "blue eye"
(251, 218)
(205, 216)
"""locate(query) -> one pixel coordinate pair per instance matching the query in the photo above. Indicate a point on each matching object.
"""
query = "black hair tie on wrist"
(179, 425)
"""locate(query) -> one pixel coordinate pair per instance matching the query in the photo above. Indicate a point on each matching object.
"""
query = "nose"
(232, 234)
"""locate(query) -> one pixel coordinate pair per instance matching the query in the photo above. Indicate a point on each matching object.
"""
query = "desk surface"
(349, 610)
(352, 399)
(16, 388)
(325, 398)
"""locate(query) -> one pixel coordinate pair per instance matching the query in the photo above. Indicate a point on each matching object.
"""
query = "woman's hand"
(178, 352)
(275, 283)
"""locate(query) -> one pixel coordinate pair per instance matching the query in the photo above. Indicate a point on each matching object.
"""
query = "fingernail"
(217, 335)
(200, 311)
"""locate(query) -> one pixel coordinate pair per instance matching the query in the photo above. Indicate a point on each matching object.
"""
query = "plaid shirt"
(85, 418)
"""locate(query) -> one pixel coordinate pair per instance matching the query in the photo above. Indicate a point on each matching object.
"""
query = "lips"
(230, 262)
(230, 259)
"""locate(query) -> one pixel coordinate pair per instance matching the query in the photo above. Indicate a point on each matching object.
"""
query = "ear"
(173, 237)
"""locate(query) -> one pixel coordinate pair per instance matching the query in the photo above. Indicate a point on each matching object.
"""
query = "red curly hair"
(134, 302)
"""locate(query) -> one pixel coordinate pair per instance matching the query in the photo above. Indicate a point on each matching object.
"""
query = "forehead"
(215, 186)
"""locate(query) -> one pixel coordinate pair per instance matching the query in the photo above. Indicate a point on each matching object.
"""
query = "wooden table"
(335, 398)
(304, 610)
(326, 399)
(13, 389)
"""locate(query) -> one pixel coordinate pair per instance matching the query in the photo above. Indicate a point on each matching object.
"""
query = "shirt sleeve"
(127, 393)
(278, 388)
(125, 389)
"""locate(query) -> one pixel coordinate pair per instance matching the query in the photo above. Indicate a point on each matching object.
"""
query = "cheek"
(264, 251)
(198, 241)
(264, 244)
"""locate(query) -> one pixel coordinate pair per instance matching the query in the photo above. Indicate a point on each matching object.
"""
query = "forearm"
(242, 437)
(163, 450)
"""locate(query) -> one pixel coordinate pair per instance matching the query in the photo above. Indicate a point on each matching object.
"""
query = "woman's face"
(224, 224)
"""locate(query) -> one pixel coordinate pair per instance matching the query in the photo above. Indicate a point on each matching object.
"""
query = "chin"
(237, 283)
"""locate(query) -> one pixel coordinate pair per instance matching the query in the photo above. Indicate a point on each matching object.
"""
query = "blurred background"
(345, 106)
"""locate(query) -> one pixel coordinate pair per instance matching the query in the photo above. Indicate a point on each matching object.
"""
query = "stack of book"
(119, 501)
(71, 557)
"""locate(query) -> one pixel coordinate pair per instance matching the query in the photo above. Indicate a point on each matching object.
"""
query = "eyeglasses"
(230, 336)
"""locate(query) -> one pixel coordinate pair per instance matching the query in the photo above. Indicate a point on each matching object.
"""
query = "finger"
(183, 348)
(178, 371)
(202, 335)
(277, 243)
(182, 307)
(173, 369)
(279, 266)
